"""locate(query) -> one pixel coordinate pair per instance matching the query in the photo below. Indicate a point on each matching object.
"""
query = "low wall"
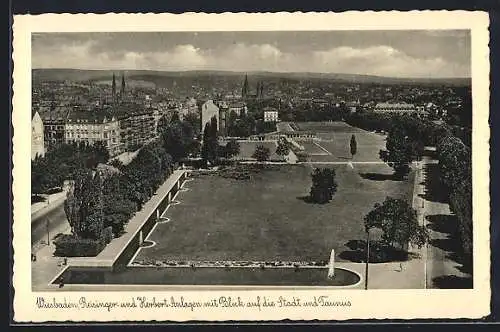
(120, 250)
(136, 241)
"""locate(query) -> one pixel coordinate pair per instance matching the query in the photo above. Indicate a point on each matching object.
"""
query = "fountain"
(331, 265)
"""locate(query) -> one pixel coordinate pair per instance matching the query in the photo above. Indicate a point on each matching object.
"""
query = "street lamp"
(367, 256)
(47, 224)
(368, 230)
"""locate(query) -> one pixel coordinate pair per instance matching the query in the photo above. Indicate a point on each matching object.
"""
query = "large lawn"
(335, 138)
(266, 218)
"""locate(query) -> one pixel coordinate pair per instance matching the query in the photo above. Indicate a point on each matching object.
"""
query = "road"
(444, 268)
(57, 220)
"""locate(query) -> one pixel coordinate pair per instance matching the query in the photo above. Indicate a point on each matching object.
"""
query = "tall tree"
(398, 222)
(83, 205)
(232, 148)
(353, 146)
(205, 148)
(323, 186)
(399, 152)
(282, 149)
(261, 153)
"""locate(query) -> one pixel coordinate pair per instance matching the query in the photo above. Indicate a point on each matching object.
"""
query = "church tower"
(244, 90)
(113, 88)
(122, 91)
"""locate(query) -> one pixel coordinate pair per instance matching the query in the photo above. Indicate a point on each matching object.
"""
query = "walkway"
(52, 201)
(441, 269)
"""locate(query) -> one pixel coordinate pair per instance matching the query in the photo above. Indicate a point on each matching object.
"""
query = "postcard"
(251, 166)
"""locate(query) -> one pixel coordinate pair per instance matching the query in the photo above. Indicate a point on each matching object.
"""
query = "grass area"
(266, 218)
(368, 147)
(248, 148)
(313, 148)
(335, 138)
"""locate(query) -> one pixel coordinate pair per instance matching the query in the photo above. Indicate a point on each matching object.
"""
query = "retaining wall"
(120, 250)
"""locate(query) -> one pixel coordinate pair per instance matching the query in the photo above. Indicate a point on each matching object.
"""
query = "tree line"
(63, 162)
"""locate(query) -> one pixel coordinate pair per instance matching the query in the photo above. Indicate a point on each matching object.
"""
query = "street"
(444, 265)
(57, 223)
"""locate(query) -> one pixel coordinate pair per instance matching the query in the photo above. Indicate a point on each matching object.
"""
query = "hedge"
(70, 246)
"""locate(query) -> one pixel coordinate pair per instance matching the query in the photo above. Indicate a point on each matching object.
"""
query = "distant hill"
(158, 76)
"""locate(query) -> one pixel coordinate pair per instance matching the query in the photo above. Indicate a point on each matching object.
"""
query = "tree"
(455, 166)
(282, 149)
(175, 117)
(194, 120)
(261, 153)
(323, 186)
(213, 128)
(353, 145)
(210, 146)
(100, 152)
(231, 149)
(84, 205)
(178, 139)
(398, 153)
(398, 222)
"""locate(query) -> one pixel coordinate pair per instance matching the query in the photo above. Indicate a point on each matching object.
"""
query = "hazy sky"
(434, 54)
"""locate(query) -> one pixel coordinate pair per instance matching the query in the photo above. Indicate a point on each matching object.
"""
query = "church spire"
(122, 91)
(113, 87)
(244, 90)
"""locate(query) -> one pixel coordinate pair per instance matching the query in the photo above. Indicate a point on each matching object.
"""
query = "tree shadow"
(379, 253)
(452, 282)
(307, 199)
(434, 189)
(443, 223)
(379, 177)
(451, 244)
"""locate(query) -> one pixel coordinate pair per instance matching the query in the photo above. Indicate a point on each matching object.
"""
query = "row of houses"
(120, 130)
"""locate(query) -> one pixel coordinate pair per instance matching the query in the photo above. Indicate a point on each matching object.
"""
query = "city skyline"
(400, 54)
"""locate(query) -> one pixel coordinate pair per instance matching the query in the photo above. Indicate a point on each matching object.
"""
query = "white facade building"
(208, 111)
(37, 144)
(271, 115)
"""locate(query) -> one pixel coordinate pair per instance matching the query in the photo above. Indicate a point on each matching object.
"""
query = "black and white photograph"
(335, 160)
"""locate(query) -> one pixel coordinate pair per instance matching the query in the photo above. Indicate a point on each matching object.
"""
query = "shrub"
(70, 246)
(107, 234)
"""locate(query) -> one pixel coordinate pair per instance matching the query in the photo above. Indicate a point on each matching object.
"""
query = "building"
(270, 114)
(54, 120)
(189, 106)
(238, 107)
(94, 126)
(394, 108)
(37, 136)
(137, 126)
(208, 111)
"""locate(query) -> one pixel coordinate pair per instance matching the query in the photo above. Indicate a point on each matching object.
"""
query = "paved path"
(51, 202)
(435, 214)
(46, 266)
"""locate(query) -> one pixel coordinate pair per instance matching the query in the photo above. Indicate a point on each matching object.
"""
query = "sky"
(396, 53)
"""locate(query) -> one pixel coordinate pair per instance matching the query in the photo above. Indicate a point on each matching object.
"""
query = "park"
(269, 218)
